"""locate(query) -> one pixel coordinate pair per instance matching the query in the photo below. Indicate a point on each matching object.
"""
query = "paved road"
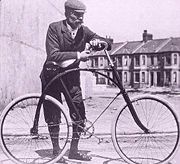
(103, 153)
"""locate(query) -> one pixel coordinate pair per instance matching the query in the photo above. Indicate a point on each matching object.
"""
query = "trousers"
(52, 113)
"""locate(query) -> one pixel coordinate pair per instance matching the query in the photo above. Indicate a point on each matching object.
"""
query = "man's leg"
(75, 140)
(79, 117)
(54, 134)
(52, 116)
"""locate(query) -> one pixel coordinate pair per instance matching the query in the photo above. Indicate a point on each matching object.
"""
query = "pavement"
(101, 149)
(103, 153)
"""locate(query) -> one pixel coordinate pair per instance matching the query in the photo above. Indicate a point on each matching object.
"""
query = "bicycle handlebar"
(99, 46)
(67, 63)
(104, 43)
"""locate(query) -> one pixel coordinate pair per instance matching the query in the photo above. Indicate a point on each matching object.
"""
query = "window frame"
(135, 77)
(137, 61)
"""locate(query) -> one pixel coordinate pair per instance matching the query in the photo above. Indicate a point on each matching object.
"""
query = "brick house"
(150, 62)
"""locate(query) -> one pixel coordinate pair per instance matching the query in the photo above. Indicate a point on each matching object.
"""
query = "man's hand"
(84, 55)
(97, 44)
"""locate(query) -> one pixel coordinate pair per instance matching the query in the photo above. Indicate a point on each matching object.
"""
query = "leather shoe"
(79, 156)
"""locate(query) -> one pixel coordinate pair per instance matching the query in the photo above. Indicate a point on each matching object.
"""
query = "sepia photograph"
(89, 81)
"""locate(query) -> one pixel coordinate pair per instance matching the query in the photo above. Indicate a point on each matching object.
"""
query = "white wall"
(23, 26)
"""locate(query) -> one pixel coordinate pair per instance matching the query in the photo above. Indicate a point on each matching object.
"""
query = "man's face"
(75, 19)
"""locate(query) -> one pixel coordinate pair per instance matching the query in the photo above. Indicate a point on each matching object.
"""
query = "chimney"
(110, 39)
(147, 36)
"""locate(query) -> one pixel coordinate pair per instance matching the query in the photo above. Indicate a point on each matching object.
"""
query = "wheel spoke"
(16, 139)
(157, 146)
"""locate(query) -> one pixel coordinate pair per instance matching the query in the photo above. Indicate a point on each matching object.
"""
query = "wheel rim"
(18, 144)
(156, 147)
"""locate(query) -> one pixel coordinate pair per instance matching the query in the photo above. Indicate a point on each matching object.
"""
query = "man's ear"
(66, 14)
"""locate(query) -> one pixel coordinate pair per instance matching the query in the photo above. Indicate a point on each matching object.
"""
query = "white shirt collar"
(72, 31)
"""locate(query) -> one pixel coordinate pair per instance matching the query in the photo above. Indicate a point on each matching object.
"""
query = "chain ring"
(87, 131)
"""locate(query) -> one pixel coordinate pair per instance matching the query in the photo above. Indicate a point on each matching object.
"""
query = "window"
(119, 61)
(168, 78)
(125, 77)
(101, 61)
(137, 61)
(143, 60)
(175, 59)
(136, 78)
(100, 79)
(159, 60)
(114, 60)
(96, 62)
(125, 60)
(143, 77)
(174, 77)
(168, 60)
(152, 60)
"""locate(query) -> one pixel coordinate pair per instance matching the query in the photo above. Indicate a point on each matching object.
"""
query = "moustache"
(79, 21)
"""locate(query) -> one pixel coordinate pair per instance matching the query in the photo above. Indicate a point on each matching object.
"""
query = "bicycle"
(145, 130)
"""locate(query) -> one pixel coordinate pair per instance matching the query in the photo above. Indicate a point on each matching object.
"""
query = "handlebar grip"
(97, 48)
(105, 44)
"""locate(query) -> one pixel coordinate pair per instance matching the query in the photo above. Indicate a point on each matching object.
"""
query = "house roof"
(151, 46)
(115, 47)
(172, 46)
(128, 48)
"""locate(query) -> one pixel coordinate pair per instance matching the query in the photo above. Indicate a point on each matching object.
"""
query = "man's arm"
(93, 36)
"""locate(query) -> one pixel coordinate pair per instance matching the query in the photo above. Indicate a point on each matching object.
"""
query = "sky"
(125, 20)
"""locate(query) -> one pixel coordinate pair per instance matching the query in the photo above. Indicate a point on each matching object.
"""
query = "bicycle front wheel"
(16, 138)
(137, 147)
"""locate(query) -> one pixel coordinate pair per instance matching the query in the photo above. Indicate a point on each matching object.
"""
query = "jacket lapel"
(66, 32)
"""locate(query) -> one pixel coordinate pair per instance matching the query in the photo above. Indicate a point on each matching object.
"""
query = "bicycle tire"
(16, 141)
(156, 147)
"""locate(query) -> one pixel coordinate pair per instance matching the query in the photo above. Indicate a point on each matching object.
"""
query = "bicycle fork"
(128, 101)
(133, 113)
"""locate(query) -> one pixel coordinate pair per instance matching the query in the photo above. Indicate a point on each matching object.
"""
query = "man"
(66, 41)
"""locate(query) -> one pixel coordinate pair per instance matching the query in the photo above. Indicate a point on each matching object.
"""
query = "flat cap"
(76, 5)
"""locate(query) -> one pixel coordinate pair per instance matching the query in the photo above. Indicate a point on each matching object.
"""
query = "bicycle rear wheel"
(158, 146)
(16, 140)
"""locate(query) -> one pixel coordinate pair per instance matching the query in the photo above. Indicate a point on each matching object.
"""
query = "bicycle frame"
(125, 95)
(117, 82)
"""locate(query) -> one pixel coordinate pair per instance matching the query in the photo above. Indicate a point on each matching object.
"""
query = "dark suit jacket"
(60, 46)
